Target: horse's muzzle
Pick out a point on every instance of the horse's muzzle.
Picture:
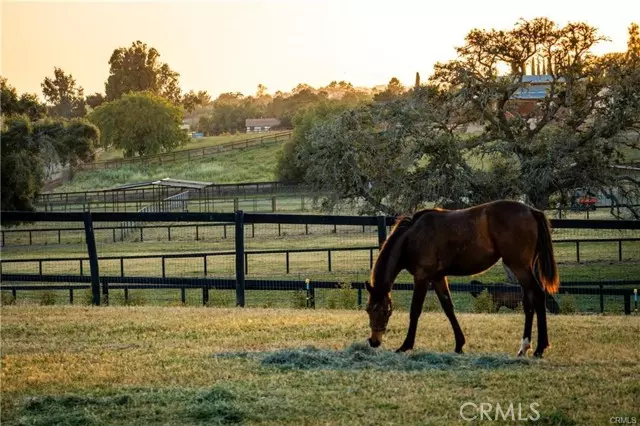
(376, 338)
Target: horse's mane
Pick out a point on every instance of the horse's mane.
(390, 250)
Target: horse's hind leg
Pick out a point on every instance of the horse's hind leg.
(541, 314)
(527, 307)
(420, 287)
(441, 288)
(533, 301)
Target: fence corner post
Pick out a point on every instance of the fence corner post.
(311, 294)
(93, 258)
(240, 266)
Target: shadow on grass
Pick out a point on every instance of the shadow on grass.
(361, 356)
(132, 407)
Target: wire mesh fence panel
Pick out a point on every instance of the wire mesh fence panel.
(154, 258)
(284, 257)
(46, 294)
(305, 265)
(36, 269)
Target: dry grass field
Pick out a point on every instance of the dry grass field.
(179, 365)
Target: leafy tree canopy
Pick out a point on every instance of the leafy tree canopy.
(27, 103)
(95, 100)
(191, 100)
(138, 68)
(65, 99)
(289, 169)
(140, 123)
(31, 150)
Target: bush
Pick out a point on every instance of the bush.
(7, 298)
(484, 303)
(47, 298)
(299, 299)
(432, 303)
(344, 297)
(567, 304)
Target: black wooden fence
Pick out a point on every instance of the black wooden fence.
(101, 284)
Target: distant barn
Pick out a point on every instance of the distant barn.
(526, 98)
(261, 124)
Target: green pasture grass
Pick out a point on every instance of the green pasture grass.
(196, 365)
(193, 143)
(250, 165)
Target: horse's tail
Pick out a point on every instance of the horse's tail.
(547, 267)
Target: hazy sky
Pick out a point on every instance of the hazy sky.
(223, 46)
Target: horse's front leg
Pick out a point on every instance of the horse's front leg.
(442, 290)
(420, 287)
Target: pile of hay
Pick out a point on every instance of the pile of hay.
(359, 356)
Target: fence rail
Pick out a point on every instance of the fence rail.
(191, 154)
(121, 199)
(109, 283)
(89, 275)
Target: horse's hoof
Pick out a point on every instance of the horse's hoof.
(538, 355)
(373, 343)
(524, 348)
(459, 351)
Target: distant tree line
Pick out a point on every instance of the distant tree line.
(140, 112)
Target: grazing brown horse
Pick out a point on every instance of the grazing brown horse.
(435, 243)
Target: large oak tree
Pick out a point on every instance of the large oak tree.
(398, 155)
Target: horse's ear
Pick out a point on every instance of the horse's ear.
(368, 286)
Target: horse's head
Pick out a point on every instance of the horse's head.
(379, 309)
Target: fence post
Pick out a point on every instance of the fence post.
(382, 230)
(620, 250)
(93, 258)
(601, 300)
(627, 304)
(105, 292)
(311, 294)
(240, 258)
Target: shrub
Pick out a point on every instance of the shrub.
(47, 298)
(567, 304)
(299, 299)
(7, 298)
(344, 297)
(431, 303)
(484, 303)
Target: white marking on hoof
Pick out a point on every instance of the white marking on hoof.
(525, 347)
